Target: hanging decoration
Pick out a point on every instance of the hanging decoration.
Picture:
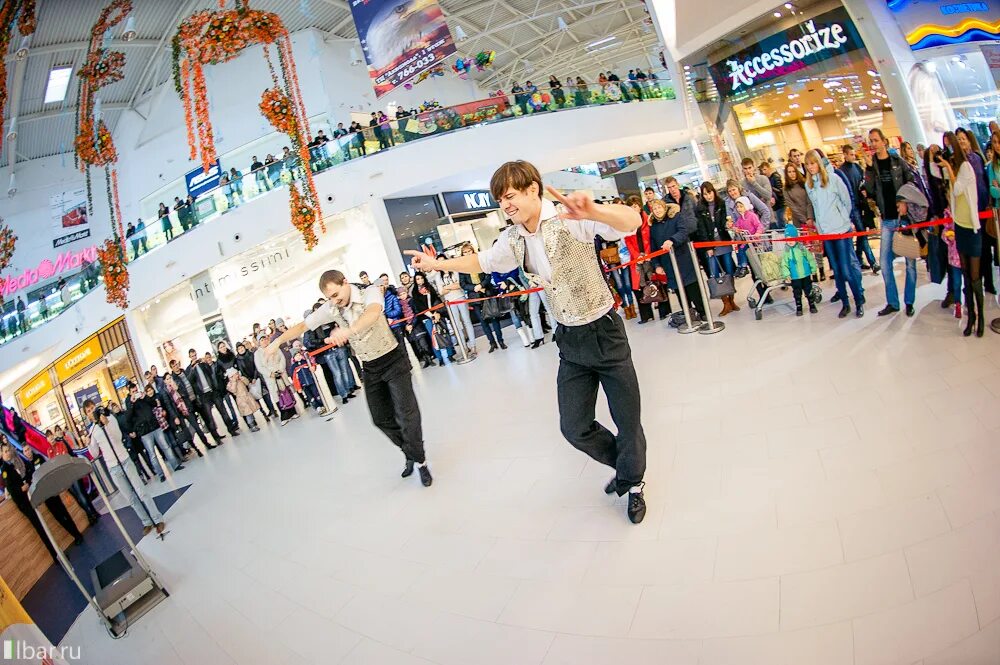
(24, 13)
(424, 75)
(482, 62)
(94, 145)
(7, 243)
(214, 37)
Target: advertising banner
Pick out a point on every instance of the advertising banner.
(401, 39)
(198, 181)
(930, 23)
(821, 38)
(68, 211)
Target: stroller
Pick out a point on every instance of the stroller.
(765, 257)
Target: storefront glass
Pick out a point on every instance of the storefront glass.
(45, 413)
(277, 279)
(440, 225)
(803, 80)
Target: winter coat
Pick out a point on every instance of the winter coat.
(222, 363)
(245, 403)
(469, 286)
(764, 212)
(749, 223)
(422, 302)
(673, 228)
(982, 184)
(302, 375)
(392, 308)
(797, 262)
(901, 174)
(638, 244)
(141, 419)
(832, 204)
(712, 226)
(797, 199)
(245, 364)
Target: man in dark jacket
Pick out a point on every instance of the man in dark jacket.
(855, 178)
(687, 216)
(883, 179)
(143, 425)
(223, 361)
(202, 380)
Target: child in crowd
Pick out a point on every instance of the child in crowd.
(954, 265)
(815, 247)
(239, 386)
(305, 381)
(286, 400)
(748, 223)
(798, 265)
(442, 339)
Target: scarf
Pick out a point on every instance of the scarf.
(17, 463)
(178, 401)
(161, 416)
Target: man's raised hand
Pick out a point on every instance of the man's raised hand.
(576, 205)
(420, 261)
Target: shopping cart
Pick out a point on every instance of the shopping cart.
(764, 257)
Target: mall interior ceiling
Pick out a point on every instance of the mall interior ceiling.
(530, 38)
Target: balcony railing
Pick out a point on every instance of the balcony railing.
(48, 302)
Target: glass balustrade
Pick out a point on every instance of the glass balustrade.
(27, 309)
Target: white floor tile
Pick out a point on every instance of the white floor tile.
(580, 609)
(893, 527)
(769, 553)
(713, 609)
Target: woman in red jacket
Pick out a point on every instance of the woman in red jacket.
(642, 273)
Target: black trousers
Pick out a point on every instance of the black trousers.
(592, 355)
(227, 410)
(29, 513)
(192, 420)
(61, 513)
(204, 405)
(393, 406)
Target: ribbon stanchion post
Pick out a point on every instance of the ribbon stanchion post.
(460, 336)
(687, 328)
(711, 326)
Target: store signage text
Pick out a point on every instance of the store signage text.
(35, 389)
(826, 37)
(199, 181)
(47, 269)
(471, 201)
(81, 356)
(822, 37)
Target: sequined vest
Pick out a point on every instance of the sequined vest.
(372, 343)
(578, 292)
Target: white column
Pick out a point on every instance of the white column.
(387, 235)
(893, 59)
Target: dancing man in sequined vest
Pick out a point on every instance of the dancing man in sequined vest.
(556, 251)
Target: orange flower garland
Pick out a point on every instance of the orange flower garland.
(95, 152)
(116, 279)
(7, 243)
(212, 37)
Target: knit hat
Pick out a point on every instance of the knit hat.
(745, 200)
(791, 231)
(231, 371)
(279, 322)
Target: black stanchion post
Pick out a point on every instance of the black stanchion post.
(687, 328)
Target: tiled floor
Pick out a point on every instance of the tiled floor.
(820, 492)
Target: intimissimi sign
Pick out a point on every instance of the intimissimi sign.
(813, 41)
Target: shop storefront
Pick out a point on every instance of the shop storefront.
(796, 79)
(98, 368)
(277, 279)
(956, 75)
(441, 223)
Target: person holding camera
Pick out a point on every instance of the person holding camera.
(105, 439)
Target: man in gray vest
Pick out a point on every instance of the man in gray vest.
(556, 251)
(360, 315)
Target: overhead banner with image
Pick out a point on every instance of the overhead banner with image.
(68, 211)
(401, 39)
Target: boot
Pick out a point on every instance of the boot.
(733, 307)
(522, 332)
(970, 309)
(726, 307)
(977, 291)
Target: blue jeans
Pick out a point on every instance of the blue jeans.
(741, 256)
(343, 378)
(151, 442)
(846, 269)
(623, 285)
(888, 277)
(956, 283)
(126, 479)
(535, 302)
(724, 261)
(439, 353)
(263, 184)
(861, 244)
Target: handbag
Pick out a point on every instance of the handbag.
(906, 246)
(721, 286)
(492, 309)
(255, 389)
(992, 223)
(610, 255)
(653, 293)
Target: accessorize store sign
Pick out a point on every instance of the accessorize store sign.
(47, 269)
(813, 41)
(401, 39)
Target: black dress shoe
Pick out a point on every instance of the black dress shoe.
(502, 345)
(859, 311)
(179, 467)
(887, 310)
(407, 470)
(948, 301)
(909, 310)
(612, 486)
(493, 347)
(835, 298)
(425, 476)
(844, 311)
(636, 506)
(537, 343)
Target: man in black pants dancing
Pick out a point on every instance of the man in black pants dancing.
(359, 312)
(556, 251)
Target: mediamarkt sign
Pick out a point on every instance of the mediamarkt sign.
(820, 38)
(47, 269)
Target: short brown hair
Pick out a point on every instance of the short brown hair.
(518, 174)
(331, 277)
(747, 162)
(669, 179)
(634, 201)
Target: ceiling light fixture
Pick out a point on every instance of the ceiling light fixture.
(22, 49)
(460, 35)
(12, 190)
(561, 22)
(12, 131)
(128, 34)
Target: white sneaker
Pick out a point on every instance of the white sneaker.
(284, 422)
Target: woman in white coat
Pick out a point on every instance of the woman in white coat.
(268, 365)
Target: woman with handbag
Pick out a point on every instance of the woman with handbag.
(610, 255)
(423, 297)
(642, 272)
(245, 364)
(974, 155)
(964, 202)
(668, 231)
(489, 312)
(711, 215)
